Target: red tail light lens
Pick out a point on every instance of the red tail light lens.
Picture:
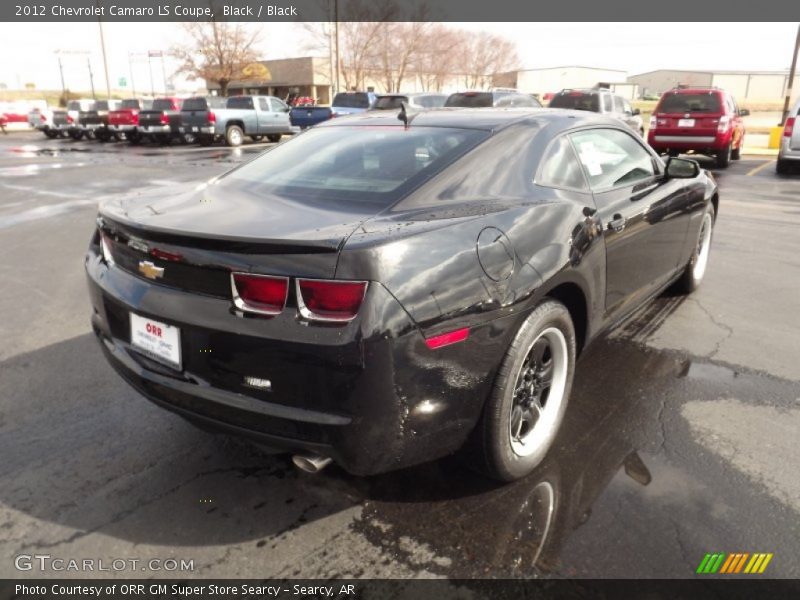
(724, 124)
(212, 118)
(135, 118)
(70, 120)
(262, 294)
(788, 128)
(164, 119)
(42, 119)
(322, 300)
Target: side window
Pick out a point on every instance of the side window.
(619, 106)
(607, 104)
(560, 167)
(263, 104)
(277, 105)
(612, 158)
(626, 107)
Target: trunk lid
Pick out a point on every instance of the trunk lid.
(202, 233)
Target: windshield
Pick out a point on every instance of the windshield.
(355, 164)
(162, 104)
(390, 102)
(576, 101)
(351, 100)
(471, 100)
(683, 103)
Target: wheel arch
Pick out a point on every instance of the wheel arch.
(572, 296)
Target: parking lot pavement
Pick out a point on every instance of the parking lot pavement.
(681, 436)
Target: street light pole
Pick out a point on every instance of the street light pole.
(792, 72)
(91, 77)
(133, 83)
(63, 87)
(150, 66)
(336, 25)
(103, 49)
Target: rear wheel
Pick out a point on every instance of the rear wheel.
(529, 398)
(693, 275)
(76, 135)
(51, 134)
(781, 167)
(234, 136)
(274, 137)
(724, 157)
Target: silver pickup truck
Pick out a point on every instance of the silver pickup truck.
(253, 116)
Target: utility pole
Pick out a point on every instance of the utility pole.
(105, 62)
(150, 66)
(63, 87)
(164, 75)
(792, 72)
(336, 25)
(91, 77)
(130, 66)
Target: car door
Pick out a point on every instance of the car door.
(280, 112)
(642, 213)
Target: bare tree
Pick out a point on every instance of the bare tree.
(485, 54)
(219, 52)
(438, 57)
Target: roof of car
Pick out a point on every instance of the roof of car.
(473, 118)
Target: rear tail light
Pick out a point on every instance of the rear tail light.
(42, 119)
(262, 294)
(135, 118)
(105, 245)
(322, 300)
(653, 122)
(212, 118)
(724, 123)
(164, 119)
(788, 128)
(70, 120)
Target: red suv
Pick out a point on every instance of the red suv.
(702, 120)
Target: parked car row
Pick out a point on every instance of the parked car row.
(203, 119)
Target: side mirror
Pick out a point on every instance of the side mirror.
(744, 112)
(287, 109)
(636, 111)
(682, 168)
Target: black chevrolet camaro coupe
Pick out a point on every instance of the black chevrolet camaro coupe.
(381, 293)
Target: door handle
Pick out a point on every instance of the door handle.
(617, 223)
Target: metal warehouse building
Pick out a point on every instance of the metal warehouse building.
(761, 85)
(555, 79)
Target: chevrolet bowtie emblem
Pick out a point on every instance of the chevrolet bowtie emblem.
(149, 270)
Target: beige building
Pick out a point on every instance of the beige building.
(752, 85)
(555, 79)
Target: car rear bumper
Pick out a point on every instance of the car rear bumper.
(198, 130)
(786, 152)
(371, 395)
(155, 129)
(708, 144)
(122, 128)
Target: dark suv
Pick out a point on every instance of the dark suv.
(493, 98)
(704, 120)
(600, 100)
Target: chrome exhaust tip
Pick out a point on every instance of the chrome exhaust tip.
(310, 463)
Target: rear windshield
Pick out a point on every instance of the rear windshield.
(351, 100)
(162, 104)
(683, 103)
(432, 101)
(73, 105)
(373, 165)
(471, 100)
(390, 102)
(202, 103)
(576, 101)
(245, 102)
(129, 104)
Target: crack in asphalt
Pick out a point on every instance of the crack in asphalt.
(719, 324)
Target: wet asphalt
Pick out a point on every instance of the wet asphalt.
(680, 438)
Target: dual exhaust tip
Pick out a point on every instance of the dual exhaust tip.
(310, 463)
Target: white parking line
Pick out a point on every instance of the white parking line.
(33, 190)
(43, 212)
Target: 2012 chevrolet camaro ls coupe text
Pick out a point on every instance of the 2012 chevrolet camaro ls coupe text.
(382, 293)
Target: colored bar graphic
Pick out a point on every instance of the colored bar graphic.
(734, 563)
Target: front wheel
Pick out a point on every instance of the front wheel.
(529, 398)
(693, 275)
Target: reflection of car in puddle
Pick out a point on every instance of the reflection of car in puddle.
(34, 151)
(519, 530)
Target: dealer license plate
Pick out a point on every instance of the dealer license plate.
(157, 340)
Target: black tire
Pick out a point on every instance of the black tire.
(736, 153)
(234, 136)
(76, 135)
(550, 322)
(102, 135)
(63, 134)
(205, 140)
(274, 137)
(134, 137)
(90, 135)
(724, 157)
(782, 167)
(51, 134)
(692, 277)
(256, 138)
